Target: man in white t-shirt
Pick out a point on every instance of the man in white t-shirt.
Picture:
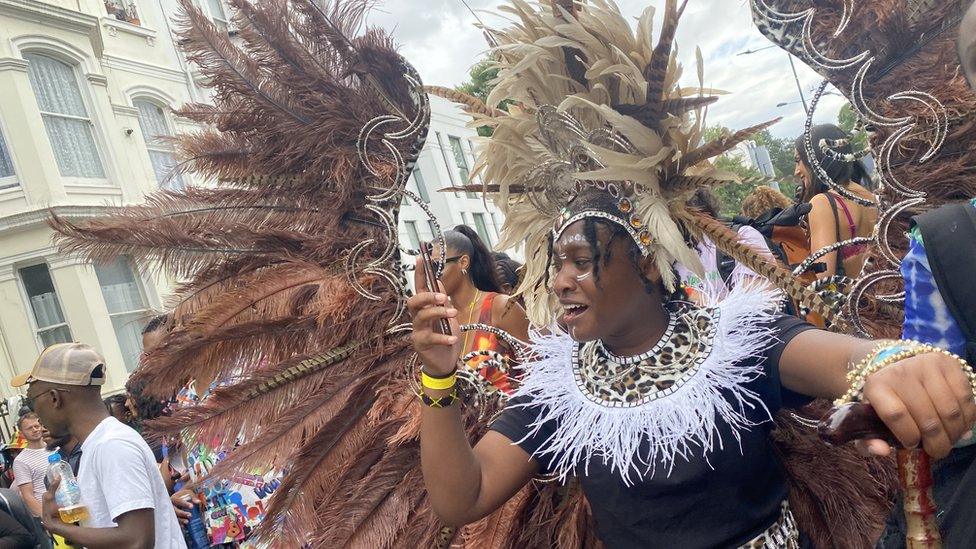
(120, 483)
(30, 465)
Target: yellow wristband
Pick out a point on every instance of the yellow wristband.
(437, 384)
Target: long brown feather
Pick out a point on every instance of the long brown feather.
(656, 69)
(722, 144)
(471, 103)
(728, 242)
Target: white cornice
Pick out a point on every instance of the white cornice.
(60, 261)
(125, 110)
(13, 64)
(145, 69)
(50, 15)
(97, 79)
(26, 257)
(25, 220)
(113, 26)
(7, 272)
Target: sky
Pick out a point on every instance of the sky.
(440, 39)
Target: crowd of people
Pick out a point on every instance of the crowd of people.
(590, 405)
(131, 482)
(655, 387)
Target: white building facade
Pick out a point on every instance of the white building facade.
(446, 161)
(87, 90)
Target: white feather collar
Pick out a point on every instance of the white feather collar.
(683, 423)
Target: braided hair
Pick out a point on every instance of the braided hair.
(840, 172)
(507, 269)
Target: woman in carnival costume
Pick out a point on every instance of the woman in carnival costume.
(661, 408)
(833, 218)
(471, 280)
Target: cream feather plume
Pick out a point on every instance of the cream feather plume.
(582, 79)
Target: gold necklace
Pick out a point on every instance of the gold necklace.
(470, 313)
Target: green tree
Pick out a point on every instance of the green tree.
(482, 82)
(780, 152)
(732, 194)
(482, 74)
(847, 120)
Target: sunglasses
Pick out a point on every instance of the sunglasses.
(29, 400)
(450, 259)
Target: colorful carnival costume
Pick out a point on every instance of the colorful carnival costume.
(293, 288)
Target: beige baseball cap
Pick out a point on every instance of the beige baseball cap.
(66, 364)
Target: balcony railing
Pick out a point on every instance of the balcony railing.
(123, 11)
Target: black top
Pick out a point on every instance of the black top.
(13, 535)
(722, 500)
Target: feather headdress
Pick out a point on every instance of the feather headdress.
(291, 290)
(897, 63)
(596, 103)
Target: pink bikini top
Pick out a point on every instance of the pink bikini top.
(848, 252)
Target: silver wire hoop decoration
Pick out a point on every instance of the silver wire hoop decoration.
(384, 133)
(779, 26)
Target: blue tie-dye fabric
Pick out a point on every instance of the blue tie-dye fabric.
(927, 317)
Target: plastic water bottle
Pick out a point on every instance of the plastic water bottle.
(195, 531)
(68, 495)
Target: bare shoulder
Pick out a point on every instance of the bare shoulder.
(500, 305)
(820, 202)
(508, 315)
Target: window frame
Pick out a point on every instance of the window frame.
(131, 18)
(84, 92)
(146, 311)
(461, 162)
(447, 161)
(421, 184)
(31, 315)
(474, 159)
(177, 182)
(482, 227)
(414, 234)
(10, 181)
(221, 20)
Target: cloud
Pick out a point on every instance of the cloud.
(440, 38)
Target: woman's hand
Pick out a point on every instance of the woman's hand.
(438, 352)
(925, 399)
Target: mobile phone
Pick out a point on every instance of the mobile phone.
(430, 280)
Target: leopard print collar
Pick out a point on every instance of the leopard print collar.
(620, 382)
(640, 413)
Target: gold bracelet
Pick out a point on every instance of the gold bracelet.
(436, 383)
(888, 353)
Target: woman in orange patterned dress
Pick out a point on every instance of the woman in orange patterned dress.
(471, 280)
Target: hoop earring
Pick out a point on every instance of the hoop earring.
(464, 272)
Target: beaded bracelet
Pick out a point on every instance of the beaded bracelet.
(438, 402)
(888, 353)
